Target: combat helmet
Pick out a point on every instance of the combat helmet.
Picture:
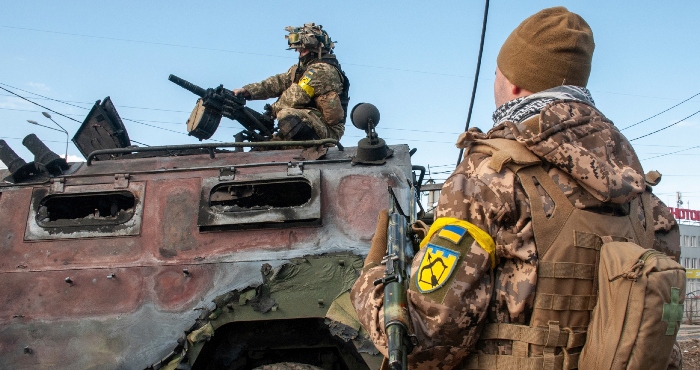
(310, 36)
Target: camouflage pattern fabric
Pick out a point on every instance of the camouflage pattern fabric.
(593, 164)
(676, 360)
(312, 97)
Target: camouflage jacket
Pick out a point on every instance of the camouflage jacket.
(593, 164)
(318, 88)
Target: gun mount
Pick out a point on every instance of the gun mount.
(218, 102)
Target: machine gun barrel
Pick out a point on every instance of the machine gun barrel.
(218, 102)
(188, 86)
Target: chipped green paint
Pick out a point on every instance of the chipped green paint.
(301, 288)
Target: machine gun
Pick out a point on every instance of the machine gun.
(400, 250)
(217, 102)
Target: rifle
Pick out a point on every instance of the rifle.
(400, 250)
(218, 102)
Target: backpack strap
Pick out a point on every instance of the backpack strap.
(527, 166)
(546, 229)
(345, 94)
(505, 151)
(644, 233)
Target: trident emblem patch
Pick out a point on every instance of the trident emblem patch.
(435, 268)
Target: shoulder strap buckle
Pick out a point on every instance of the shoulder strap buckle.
(505, 152)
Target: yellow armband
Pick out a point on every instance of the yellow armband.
(304, 83)
(453, 229)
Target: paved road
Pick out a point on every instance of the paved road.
(689, 332)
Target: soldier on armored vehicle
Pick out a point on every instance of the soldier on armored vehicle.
(312, 95)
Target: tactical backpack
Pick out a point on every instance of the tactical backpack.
(604, 300)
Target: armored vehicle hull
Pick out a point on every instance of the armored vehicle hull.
(190, 258)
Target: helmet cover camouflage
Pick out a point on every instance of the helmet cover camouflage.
(311, 37)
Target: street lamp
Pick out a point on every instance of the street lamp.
(51, 128)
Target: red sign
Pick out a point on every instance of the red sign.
(685, 214)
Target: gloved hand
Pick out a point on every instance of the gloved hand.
(243, 92)
(378, 249)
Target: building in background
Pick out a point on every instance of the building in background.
(690, 257)
(689, 222)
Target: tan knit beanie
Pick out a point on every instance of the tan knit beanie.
(552, 47)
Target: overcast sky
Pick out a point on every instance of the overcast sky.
(414, 60)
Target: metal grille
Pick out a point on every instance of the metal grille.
(691, 308)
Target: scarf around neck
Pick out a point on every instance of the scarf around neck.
(520, 109)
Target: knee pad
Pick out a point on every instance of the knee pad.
(292, 128)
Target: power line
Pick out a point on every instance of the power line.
(61, 114)
(663, 154)
(21, 138)
(45, 97)
(143, 42)
(638, 96)
(154, 126)
(476, 75)
(49, 109)
(400, 139)
(442, 172)
(219, 50)
(678, 151)
(663, 128)
(665, 146)
(67, 101)
(77, 106)
(644, 120)
(276, 56)
(222, 126)
(163, 128)
(424, 131)
(29, 110)
(141, 120)
(270, 55)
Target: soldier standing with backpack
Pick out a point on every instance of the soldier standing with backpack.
(543, 205)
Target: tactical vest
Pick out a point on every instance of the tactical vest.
(568, 246)
(298, 72)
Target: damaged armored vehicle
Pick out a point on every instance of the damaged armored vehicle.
(195, 256)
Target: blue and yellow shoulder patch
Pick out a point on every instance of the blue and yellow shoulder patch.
(435, 268)
(304, 82)
(452, 233)
(445, 247)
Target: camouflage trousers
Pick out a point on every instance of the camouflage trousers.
(312, 118)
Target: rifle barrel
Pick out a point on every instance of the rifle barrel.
(188, 86)
(396, 316)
